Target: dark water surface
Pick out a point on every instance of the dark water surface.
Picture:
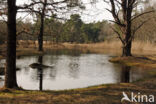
(72, 71)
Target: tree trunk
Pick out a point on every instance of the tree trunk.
(127, 14)
(126, 50)
(10, 72)
(40, 37)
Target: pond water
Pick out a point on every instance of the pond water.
(71, 71)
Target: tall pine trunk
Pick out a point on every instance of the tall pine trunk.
(10, 72)
(40, 37)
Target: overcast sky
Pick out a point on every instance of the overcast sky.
(96, 12)
(92, 13)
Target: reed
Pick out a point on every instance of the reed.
(138, 47)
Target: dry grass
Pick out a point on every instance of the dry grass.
(138, 48)
(27, 52)
(143, 62)
(142, 47)
(109, 47)
(103, 94)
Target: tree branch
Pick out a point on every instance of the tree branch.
(142, 14)
(119, 36)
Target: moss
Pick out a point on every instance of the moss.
(110, 94)
(142, 62)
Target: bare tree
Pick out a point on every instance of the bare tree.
(48, 8)
(124, 24)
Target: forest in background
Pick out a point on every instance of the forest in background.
(74, 30)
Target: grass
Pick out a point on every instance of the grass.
(138, 47)
(102, 94)
(106, 47)
(143, 62)
(24, 52)
(28, 52)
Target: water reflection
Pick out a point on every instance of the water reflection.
(44, 70)
(68, 71)
(72, 52)
(40, 61)
(74, 67)
(125, 74)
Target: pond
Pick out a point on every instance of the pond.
(69, 71)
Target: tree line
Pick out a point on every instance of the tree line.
(73, 30)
